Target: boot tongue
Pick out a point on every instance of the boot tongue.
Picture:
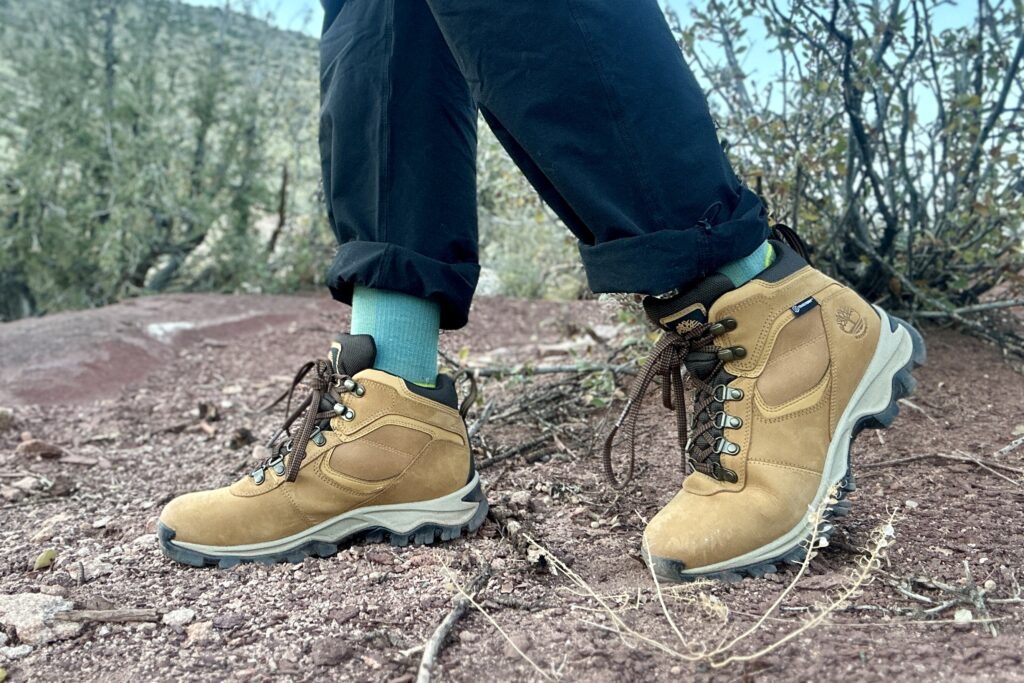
(688, 309)
(352, 353)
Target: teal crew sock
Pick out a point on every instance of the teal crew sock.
(747, 268)
(405, 330)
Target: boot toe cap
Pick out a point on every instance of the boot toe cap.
(191, 517)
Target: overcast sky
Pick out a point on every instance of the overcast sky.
(306, 15)
(759, 63)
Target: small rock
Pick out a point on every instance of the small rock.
(96, 568)
(177, 619)
(207, 411)
(260, 452)
(39, 447)
(330, 652)
(522, 641)
(11, 494)
(343, 614)
(380, 556)
(46, 529)
(27, 484)
(520, 499)
(228, 621)
(241, 438)
(910, 504)
(61, 485)
(200, 632)
(53, 589)
(468, 637)
(31, 617)
(16, 652)
(101, 522)
(6, 419)
(962, 619)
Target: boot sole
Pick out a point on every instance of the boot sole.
(873, 406)
(422, 522)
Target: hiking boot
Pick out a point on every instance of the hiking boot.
(786, 370)
(374, 457)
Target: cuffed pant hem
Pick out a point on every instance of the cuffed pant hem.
(387, 266)
(661, 261)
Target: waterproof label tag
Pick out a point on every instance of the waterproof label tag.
(804, 306)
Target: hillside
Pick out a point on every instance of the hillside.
(149, 146)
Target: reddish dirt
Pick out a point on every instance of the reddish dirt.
(123, 406)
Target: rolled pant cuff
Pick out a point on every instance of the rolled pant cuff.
(387, 266)
(659, 262)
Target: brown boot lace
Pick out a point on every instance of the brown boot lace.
(702, 446)
(323, 382)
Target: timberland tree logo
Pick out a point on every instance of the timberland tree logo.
(851, 322)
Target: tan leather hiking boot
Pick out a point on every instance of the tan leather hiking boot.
(379, 458)
(786, 370)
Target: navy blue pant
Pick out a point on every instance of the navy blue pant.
(592, 100)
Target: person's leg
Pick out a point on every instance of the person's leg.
(371, 451)
(594, 102)
(398, 146)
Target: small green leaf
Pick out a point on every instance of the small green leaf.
(44, 560)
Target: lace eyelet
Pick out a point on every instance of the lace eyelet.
(723, 393)
(258, 476)
(724, 421)
(726, 447)
(732, 353)
(349, 415)
(722, 326)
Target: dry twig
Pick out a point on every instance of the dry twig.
(433, 646)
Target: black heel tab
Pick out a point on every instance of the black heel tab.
(442, 392)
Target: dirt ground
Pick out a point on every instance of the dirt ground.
(119, 391)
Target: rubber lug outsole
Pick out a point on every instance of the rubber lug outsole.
(903, 385)
(425, 534)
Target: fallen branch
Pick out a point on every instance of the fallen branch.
(513, 452)
(495, 624)
(482, 420)
(433, 646)
(986, 464)
(1012, 446)
(527, 370)
(967, 310)
(108, 616)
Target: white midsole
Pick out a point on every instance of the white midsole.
(872, 396)
(399, 518)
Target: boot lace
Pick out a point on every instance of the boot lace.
(323, 381)
(701, 441)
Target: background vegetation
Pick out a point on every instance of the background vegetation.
(154, 146)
